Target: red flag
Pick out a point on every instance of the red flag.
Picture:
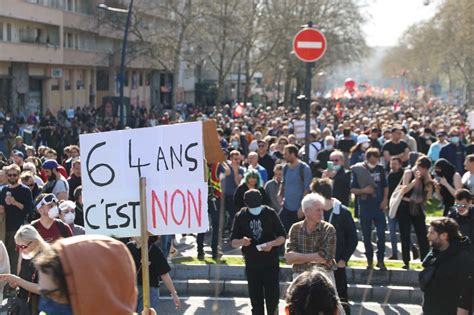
(239, 110)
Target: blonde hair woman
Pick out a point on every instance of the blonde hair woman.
(29, 244)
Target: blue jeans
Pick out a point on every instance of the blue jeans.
(368, 214)
(392, 228)
(154, 297)
(214, 216)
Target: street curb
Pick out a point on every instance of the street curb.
(355, 275)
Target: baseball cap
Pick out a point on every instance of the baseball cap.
(362, 139)
(19, 154)
(50, 164)
(253, 198)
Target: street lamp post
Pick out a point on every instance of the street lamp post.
(122, 57)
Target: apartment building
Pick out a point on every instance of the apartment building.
(55, 53)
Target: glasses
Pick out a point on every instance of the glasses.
(46, 292)
(459, 206)
(12, 175)
(22, 247)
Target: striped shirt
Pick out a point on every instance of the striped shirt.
(322, 241)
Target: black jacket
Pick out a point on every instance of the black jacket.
(346, 234)
(466, 225)
(447, 279)
(342, 186)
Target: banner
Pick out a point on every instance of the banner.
(169, 157)
(300, 127)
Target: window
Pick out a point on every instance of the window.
(125, 79)
(9, 32)
(54, 84)
(67, 85)
(79, 85)
(69, 40)
(69, 5)
(102, 80)
(140, 81)
(1, 31)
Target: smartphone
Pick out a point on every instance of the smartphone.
(330, 166)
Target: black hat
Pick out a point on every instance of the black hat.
(253, 198)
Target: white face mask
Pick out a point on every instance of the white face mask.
(26, 256)
(53, 212)
(69, 217)
(365, 145)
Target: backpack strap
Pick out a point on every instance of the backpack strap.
(62, 228)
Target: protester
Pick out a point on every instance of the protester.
(158, 269)
(296, 180)
(252, 160)
(341, 178)
(252, 180)
(4, 267)
(264, 159)
(435, 148)
(57, 183)
(448, 274)
(312, 292)
(74, 179)
(48, 225)
(323, 155)
(467, 179)
(394, 179)
(357, 152)
(16, 202)
(447, 181)
(258, 230)
(110, 286)
(30, 244)
(67, 214)
(213, 208)
(418, 187)
(455, 152)
(27, 179)
(272, 188)
(463, 213)
(369, 183)
(396, 147)
(346, 234)
(312, 242)
(232, 181)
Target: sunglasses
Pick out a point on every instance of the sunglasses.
(12, 175)
(22, 247)
(335, 160)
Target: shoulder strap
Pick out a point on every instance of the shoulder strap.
(62, 228)
(285, 170)
(301, 169)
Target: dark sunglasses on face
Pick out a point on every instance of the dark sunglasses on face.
(21, 247)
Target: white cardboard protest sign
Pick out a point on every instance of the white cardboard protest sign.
(299, 128)
(171, 158)
(470, 119)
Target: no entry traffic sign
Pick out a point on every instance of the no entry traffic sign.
(309, 44)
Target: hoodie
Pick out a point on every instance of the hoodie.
(100, 275)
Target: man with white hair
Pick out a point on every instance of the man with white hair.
(252, 161)
(312, 242)
(323, 155)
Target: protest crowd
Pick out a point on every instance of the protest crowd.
(384, 163)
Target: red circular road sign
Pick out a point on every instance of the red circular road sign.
(309, 44)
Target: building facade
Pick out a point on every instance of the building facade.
(56, 54)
